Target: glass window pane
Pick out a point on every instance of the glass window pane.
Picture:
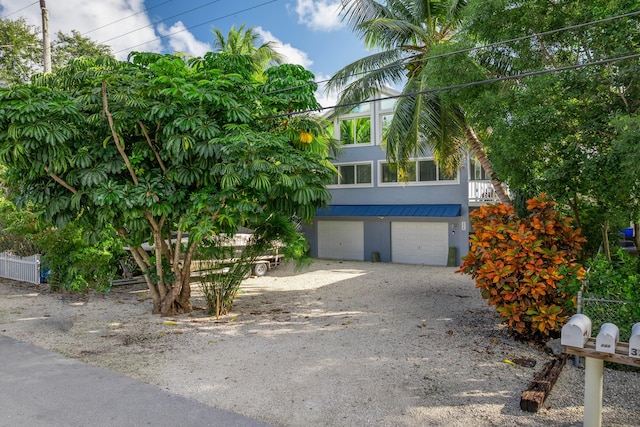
(442, 176)
(427, 170)
(334, 179)
(388, 104)
(362, 108)
(364, 174)
(347, 174)
(362, 130)
(386, 121)
(389, 173)
(411, 172)
(346, 131)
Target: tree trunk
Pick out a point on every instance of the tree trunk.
(478, 151)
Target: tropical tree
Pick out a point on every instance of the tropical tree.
(244, 41)
(404, 35)
(159, 149)
(564, 132)
(20, 51)
(69, 46)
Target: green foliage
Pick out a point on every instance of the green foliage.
(76, 264)
(614, 280)
(20, 51)
(69, 46)
(159, 145)
(521, 265)
(560, 133)
(17, 230)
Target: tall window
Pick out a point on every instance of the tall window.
(355, 130)
(417, 171)
(354, 174)
(476, 172)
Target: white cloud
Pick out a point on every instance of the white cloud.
(320, 15)
(181, 40)
(325, 98)
(122, 24)
(291, 54)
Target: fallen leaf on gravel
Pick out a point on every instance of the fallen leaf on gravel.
(170, 323)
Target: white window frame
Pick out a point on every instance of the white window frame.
(416, 183)
(379, 114)
(355, 185)
(359, 115)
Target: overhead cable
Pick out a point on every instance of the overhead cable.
(465, 85)
(198, 25)
(20, 10)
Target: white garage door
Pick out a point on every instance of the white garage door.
(341, 240)
(420, 242)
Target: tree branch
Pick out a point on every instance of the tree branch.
(60, 181)
(155, 152)
(116, 139)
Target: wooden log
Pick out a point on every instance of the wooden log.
(534, 396)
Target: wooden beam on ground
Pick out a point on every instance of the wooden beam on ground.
(534, 396)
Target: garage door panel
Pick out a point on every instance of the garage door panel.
(420, 242)
(341, 240)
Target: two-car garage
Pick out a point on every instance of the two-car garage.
(421, 236)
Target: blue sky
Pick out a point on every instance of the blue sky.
(308, 32)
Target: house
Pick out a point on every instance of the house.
(375, 216)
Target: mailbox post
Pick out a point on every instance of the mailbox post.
(596, 351)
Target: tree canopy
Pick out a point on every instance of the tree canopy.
(563, 132)
(161, 148)
(21, 50)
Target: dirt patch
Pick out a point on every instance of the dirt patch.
(339, 343)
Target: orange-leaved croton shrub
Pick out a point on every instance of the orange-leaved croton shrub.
(520, 264)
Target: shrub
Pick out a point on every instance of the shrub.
(615, 283)
(76, 264)
(521, 265)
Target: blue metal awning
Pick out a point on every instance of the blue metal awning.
(391, 210)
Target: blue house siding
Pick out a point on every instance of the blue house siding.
(377, 205)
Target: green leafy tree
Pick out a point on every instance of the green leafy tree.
(405, 34)
(20, 51)
(69, 46)
(557, 132)
(160, 148)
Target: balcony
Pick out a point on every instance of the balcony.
(481, 192)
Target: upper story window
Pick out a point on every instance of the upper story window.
(354, 128)
(476, 172)
(418, 172)
(354, 174)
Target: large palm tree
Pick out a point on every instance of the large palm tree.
(244, 41)
(403, 34)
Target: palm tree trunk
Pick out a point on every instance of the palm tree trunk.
(478, 151)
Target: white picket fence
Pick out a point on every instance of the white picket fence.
(25, 269)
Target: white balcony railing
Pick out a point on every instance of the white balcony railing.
(482, 192)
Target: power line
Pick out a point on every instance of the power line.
(487, 46)
(127, 17)
(161, 20)
(465, 85)
(20, 10)
(199, 25)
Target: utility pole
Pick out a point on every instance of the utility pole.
(46, 45)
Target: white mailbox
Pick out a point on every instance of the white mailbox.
(607, 339)
(634, 341)
(576, 331)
